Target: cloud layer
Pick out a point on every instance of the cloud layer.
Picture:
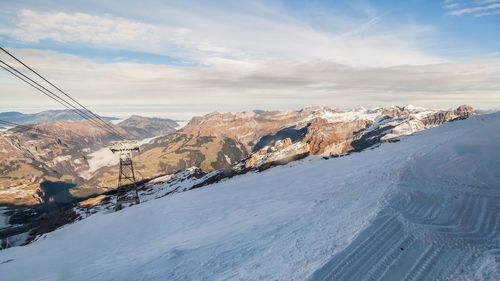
(266, 84)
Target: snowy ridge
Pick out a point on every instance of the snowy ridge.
(424, 208)
(361, 113)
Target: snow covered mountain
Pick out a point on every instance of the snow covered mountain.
(424, 208)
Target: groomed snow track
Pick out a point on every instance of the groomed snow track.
(441, 222)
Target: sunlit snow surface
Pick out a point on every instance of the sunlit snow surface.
(424, 208)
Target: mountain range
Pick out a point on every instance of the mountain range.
(44, 116)
(419, 207)
(40, 172)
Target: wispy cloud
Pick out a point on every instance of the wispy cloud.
(105, 31)
(476, 8)
(239, 32)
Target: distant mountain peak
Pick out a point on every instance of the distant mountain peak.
(44, 116)
(411, 107)
(260, 111)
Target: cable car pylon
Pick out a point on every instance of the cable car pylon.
(126, 175)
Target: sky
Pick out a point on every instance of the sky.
(183, 58)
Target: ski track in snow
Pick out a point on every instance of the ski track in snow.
(441, 222)
(425, 208)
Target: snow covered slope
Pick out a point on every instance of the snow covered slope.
(424, 208)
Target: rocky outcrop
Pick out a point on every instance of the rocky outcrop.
(441, 117)
(282, 152)
(325, 137)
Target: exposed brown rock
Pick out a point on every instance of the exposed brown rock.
(245, 127)
(326, 137)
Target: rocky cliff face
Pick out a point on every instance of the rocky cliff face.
(326, 137)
